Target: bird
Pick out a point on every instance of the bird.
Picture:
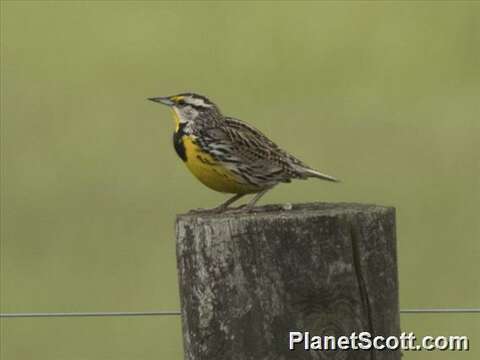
(229, 155)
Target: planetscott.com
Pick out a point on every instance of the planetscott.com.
(365, 341)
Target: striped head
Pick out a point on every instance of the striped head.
(190, 108)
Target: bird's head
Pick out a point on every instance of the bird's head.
(189, 108)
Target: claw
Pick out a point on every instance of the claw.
(193, 211)
(202, 210)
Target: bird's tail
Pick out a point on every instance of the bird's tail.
(313, 173)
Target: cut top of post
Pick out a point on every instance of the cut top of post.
(287, 210)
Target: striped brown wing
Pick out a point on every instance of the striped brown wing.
(245, 150)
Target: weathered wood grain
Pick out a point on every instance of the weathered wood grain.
(247, 279)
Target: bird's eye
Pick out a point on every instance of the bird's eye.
(181, 102)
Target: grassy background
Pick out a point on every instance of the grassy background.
(384, 95)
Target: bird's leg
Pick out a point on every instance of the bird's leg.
(222, 206)
(257, 197)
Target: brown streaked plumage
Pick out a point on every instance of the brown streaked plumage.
(227, 154)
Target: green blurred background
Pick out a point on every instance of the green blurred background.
(384, 95)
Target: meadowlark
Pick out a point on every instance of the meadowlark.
(227, 154)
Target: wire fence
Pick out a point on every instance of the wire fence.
(177, 313)
(90, 314)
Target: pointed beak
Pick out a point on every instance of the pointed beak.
(165, 100)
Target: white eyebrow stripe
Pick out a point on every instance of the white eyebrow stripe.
(197, 102)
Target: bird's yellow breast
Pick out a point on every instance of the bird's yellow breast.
(210, 172)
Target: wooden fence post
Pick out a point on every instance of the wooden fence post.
(248, 279)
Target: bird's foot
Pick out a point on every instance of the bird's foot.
(223, 209)
(215, 210)
(199, 210)
(245, 208)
